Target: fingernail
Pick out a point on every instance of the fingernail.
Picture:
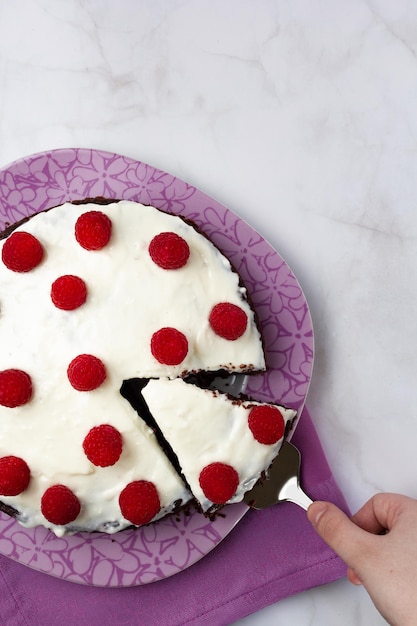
(315, 511)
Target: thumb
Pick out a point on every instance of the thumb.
(338, 531)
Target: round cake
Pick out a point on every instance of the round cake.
(91, 297)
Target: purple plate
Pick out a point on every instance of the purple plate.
(144, 555)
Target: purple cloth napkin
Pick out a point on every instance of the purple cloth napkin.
(270, 555)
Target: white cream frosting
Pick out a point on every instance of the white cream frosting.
(50, 440)
(129, 298)
(205, 426)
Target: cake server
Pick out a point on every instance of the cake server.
(282, 483)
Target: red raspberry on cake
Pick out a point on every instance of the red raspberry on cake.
(169, 346)
(219, 482)
(15, 388)
(86, 372)
(14, 475)
(59, 505)
(22, 252)
(228, 320)
(103, 445)
(139, 502)
(169, 251)
(266, 424)
(93, 230)
(68, 292)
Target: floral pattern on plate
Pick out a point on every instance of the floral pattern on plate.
(144, 555)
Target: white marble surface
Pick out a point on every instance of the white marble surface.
(301, 117)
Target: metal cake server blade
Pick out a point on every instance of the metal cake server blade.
(282, 483)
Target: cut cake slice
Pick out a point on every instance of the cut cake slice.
(223, 445)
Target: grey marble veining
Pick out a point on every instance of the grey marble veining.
(301, 117)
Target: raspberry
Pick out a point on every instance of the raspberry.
(266, 423)
(103, 445)
(169, 346)
(22, 252)
(219, 482)
(68, 292)
(93, 230)
(59, 505)
(86, 372)
(15, 388)
(139, 502)
(228, 320)
(169, 251)
(14, 475)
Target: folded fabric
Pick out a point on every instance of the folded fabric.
(270, 555)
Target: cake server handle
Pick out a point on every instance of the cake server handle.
(282, 483)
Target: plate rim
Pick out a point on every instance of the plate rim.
(232, 513)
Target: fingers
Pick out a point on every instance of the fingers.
(353, 577)
(355, 539)
(339, 532)
(368, 518)
(382, 512)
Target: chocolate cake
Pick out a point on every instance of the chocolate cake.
(91, 297)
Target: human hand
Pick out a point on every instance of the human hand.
(379, 546)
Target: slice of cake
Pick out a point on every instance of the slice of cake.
(90, 297)
(223, 445)
(88, 463)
